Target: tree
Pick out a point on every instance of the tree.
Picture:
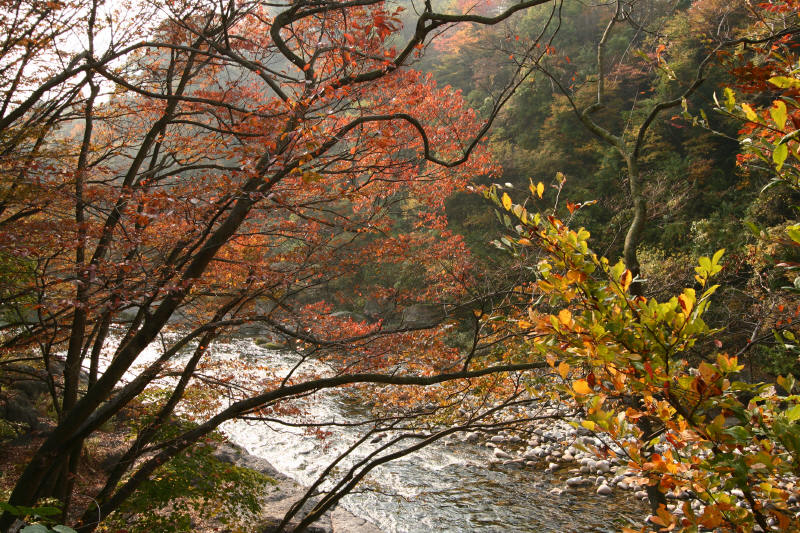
(202, 166)
(718, 436)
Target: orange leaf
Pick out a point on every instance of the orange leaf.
(581, 386)
(686, 304)
(625, 279)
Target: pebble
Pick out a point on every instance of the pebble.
(577, 481)
(472, 437)
(500, 454)
(605, 490)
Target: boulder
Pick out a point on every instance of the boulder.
(19, 408)
(422, 315)
(379, 308)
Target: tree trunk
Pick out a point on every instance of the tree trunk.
(634, 235)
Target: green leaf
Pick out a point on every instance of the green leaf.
(34, 528)
(778, 113)
(739, 433)
(793, 413)
(730, 99)
(794, 233)
(784, 82)
(755, 230)
(779, 155)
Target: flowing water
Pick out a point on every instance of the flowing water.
(444, 487)
(447, 486)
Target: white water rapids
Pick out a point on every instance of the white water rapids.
(448, 486)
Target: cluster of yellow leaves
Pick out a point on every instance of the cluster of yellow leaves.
(623, 358)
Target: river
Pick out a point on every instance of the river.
(448, 486)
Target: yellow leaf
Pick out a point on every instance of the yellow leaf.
(565, 317)
(778, 113)
(581, 386)
(625, 279)
(686, 301)
(751, 115)
(506, 201)
(563, 369)
(576, 276)
(540, 189)
(588, 424)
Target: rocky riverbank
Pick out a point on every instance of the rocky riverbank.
(278, 498)
(558, 446)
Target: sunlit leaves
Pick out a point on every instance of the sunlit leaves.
(779, 155)
(708, 267)
(581, 386)
(778, 114)
(785, 82)
(607, 344)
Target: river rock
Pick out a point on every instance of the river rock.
(603, 466)
(472, 437)
(577, 481)
(500, 454)
(605, 490)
